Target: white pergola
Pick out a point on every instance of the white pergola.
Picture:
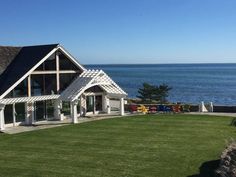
(86, 80)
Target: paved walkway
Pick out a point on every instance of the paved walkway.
(54, 123)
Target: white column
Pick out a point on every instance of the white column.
(122, 111)
(57, 110)
(29, 113)
(74, 112)
(71, 109)
(106, 104)
(94, 104)
(14, 114)
(2, 120)
(27, 116)
(211, 107)
(108, 107)
(82, 105)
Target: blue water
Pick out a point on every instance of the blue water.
(191, 83)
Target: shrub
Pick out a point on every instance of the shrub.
(227, 167)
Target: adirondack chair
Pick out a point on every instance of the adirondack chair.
(164, 109)
(152, 109)
(142, 109)
(176, 108)
(133, 108)
(186, 108)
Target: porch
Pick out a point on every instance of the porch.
(56, 123)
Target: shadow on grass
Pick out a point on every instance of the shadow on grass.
(207, 169)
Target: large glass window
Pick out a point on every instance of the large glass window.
(20, 112)
(66, 80)
(21, 89)
(50, 108)
(65, 108)
(50, 84)
(66, 64)
(49, 64)
(40, 107)
(8, 115)
(90, 103)
(37, 85)
(43, 84)
(98, 102)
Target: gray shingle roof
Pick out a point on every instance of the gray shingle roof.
(7, 55)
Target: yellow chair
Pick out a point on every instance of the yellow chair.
(142, 109)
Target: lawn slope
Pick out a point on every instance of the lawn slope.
(151, 145)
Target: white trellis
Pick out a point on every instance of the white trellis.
(86, 80)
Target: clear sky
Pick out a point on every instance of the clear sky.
(125, 31)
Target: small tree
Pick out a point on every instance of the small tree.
(154, 93)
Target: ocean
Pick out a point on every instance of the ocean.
(191, 83)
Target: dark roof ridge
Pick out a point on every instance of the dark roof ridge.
(40, 45)
(55, 44)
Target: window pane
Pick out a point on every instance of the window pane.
(37, 85)
(50, 84)
(65, 108)
(43, 84)
(90, 103)
(66, 80)
(20, 112)
(8, 114)
(49, 64)
(66, 64)
(21, 89)
(98, 101)
(50, 108)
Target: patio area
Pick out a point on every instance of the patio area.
(56, 123)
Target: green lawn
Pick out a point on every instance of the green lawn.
(151, 145)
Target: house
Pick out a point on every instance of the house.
(46, 82)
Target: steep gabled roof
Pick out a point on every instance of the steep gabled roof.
(19, 61)
(7, 55)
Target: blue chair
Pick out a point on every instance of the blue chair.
(163, 108)
(160, 108)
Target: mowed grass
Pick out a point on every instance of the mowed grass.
(149, 145)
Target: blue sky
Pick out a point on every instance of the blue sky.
(126, 31)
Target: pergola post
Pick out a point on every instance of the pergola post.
(82, 105)
(94, 104)
(122, 111)
(108, 105)
(29, 113)
(14, 114)
(71, 109)
(74, 112)
(57, 110)
(2, 120)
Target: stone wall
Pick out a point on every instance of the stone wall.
(227, 167)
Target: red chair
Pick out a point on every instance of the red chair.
(176, 108)
(152, 109)
(133, 108)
